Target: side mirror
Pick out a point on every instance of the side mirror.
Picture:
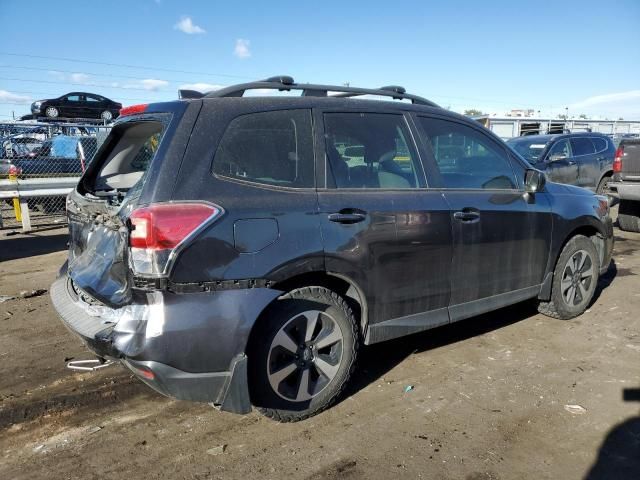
(557, 157)
(534, 180)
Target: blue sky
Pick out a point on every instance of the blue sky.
(490, 55)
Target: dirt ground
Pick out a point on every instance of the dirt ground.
(508, 395)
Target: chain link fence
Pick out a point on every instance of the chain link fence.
(35, 154)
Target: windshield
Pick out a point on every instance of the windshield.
(530, 149)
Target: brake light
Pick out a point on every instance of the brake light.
(14, 171)
(162, 226)
(617, 160)
(156, 230)
(133, 109)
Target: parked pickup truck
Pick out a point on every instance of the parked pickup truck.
(626, 183)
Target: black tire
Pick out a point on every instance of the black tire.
(629, 216)
(52, 112)
(107, 115)
(559, 306)
(603, 186)
(332, 311)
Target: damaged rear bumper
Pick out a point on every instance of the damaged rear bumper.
(186, 346)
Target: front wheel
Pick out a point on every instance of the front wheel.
(574, 279)
(302, 354)
(106, 116)
(51, 112)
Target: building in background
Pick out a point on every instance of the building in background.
(514, 126)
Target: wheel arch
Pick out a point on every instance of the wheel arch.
(342, 285)
(589, 230)
(606, 173)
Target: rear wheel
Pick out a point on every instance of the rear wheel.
(302, 354)
(603, 186)
(106, 115)
(629, 216)
(574, 280)
(51, 112)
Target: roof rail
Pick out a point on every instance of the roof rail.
(286, 83)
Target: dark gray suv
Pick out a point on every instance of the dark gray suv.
(581, 159)
(239, 250)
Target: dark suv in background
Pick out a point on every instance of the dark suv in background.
(239, 250)
(581, 159)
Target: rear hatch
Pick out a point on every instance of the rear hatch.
(630, 159)
(124, 173)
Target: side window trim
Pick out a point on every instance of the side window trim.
(433, 163)
(321, 151)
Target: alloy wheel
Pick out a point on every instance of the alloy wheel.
(577, 278)
(304, 356)
(106, 115)
(51, 112)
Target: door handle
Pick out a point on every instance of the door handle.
(467, 216)
(347, 218)
(572, 162)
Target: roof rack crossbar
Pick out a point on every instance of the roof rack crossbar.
(286, 83)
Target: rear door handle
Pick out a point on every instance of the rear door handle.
(467, 216)
(347, 218)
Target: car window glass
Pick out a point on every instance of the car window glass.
(73, 98)
(599, 143)
(274, 148)
(560, 149)
(369, 150)
(467, 158)
(91, 98)
(581, 146)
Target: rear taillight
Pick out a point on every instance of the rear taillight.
(617, 160)
(14, 171)
(158, 229)
(133, 109)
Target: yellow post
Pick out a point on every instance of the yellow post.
(16, 201)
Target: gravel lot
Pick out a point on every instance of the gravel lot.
(512, 394)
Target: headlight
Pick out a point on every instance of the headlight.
(37, 104)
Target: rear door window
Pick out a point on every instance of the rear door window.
(370, 150)
(599, 143)
(271, 148)
(582, 146)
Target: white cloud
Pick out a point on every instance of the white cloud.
(621, 104)
(79, 78)
(9, 97)
(201, 87)
(241, 50)
(151, 84)
(56, 74)
(187, 26)
(608, 98)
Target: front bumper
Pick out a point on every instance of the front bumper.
(194, 344)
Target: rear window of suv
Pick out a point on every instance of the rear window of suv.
(272, 148)
(129, 150)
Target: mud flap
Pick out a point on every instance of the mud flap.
(236, 397)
